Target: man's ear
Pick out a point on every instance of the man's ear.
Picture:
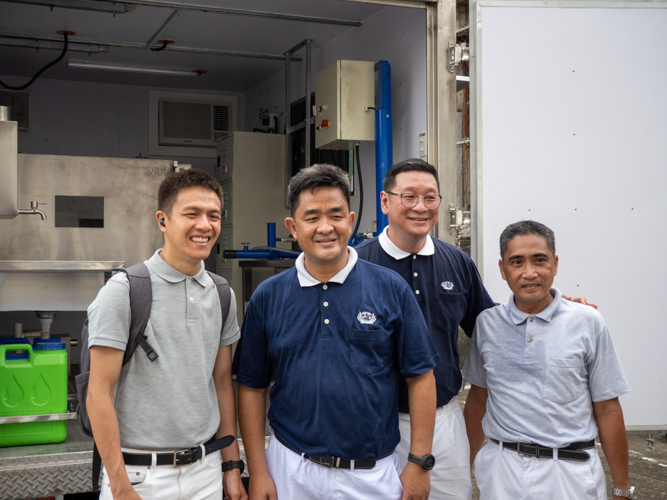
(290, 223)
(160, 216)
(555, 265)
(502, 269)
(384, 202)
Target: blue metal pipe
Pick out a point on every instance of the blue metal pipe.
(271, 234)
(384, 155)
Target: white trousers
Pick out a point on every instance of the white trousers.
(201, 480)
(297, 478)
(503, 474)
(450, 477)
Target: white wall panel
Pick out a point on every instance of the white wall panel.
(571, 129)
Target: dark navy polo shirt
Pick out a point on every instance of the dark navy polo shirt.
(337, 352)
(450, 293)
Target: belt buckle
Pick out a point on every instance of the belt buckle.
(181, 455)
(531, 454)
(330, 462)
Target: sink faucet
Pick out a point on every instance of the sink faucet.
(33, 209)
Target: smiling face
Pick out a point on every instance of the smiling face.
(529, 267)
(322, 225)
(409, 227)
(191, 230)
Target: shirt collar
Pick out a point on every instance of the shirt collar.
(305, 279)
(519, 316)
(168, 273)
(390, 247)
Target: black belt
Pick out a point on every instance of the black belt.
(571, 452)
(336, 462)
(181, 457)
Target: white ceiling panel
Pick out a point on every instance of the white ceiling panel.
(192, 29)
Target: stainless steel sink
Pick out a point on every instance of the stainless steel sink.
(64, 285)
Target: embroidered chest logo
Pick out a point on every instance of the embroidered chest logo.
(447, 285)
(366, 318)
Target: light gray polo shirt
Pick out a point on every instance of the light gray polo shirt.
(171, 403)
(543, 371)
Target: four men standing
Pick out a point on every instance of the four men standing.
(348, 344)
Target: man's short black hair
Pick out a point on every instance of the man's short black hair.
(410, 165)
(319, 175)
(172, 185)
(526, 227)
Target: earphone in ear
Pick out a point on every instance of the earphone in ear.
(162, 222)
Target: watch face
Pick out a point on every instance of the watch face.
(429, 462)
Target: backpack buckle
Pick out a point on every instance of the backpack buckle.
(184, 457)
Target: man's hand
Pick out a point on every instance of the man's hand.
(262, 487)
(125, 494)
(416, 482)
(579, 300)
(233, 486)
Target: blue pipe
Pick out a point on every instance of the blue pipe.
(271, 234)
(384, 155)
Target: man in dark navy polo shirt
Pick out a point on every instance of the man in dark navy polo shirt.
(337, 335)
(450, 293)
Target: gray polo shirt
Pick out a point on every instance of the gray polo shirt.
(543, 371)
(171, 403)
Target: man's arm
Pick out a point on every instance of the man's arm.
(252, 419)
(222, 378)
(422, 401)
(105, 365)
(609, 417)
(473, 413)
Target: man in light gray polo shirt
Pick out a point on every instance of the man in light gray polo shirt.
(184, 398)
(545, 381)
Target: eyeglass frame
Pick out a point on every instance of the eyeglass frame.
(417, 202)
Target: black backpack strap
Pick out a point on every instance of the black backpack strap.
(225, 296)
(97, 468)
(141, 298)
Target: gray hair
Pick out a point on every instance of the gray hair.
(319, 175)
(526, 227)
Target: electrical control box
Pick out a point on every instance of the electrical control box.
(344, 100)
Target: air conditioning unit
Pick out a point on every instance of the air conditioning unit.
(196, 124)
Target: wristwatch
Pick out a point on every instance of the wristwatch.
(624, 493)
(426, 462)
(233, 464)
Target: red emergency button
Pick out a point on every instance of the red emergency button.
(324, 124)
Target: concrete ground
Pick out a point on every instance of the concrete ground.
(648, 462)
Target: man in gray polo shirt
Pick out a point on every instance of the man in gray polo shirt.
(185, 398)
(545, 381)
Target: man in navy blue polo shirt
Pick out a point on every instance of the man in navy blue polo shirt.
(336, 334)
(450, 293)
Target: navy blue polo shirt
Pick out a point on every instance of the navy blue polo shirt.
(337, 352)
(450, 293)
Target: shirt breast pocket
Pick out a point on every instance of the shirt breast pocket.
(563, 383)
(369, 350)
(451, 308)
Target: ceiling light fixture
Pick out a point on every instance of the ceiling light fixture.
(136, 69)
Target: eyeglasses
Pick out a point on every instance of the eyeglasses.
(431, 201)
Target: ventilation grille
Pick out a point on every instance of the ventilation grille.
(221, 118)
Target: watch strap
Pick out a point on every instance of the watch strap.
(233, 464)
(624, 493)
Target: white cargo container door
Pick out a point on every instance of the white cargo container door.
(569, 111)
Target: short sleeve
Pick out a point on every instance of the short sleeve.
(478, 299)
(254, 366)
(416, 352)
(109, 314)
(230, 330)
(473, 369)
(605, 374)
